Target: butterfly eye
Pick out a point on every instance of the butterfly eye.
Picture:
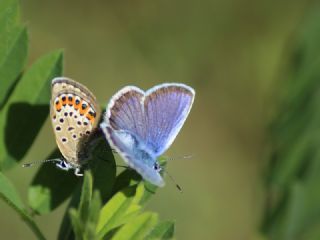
(157, 167)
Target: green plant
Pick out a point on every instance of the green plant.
(102, 205)
(292, 181)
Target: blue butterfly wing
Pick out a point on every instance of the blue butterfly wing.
(166, 108)
(155, 117)
(125, 111)
(134, 152)
(141, 126)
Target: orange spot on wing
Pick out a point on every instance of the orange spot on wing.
(77, 106)
(71, 102)
(91, 116)
(82, 111)
(58, 106)
(64, 100)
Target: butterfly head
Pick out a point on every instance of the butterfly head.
(157, 167)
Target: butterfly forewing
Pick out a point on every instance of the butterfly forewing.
(166, 108)
(73, 114)
(155, 116)
(125, 111)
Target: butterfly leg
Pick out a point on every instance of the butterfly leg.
(77, 172)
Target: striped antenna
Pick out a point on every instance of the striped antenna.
(179, 158)
(41, 162)
(173, 181)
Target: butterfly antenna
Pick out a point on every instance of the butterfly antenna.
(40, 162)
(179, 158)
(173, 181)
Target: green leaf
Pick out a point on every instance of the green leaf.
(31, 95)
(51, 187)
(163, 230)
(13, 58)
(85, 197)
(103, 172)
(11, 197)
(138, 228)
(13, 47)
(76, 223)
(94, 211)
(103, 168)
(85, 219)
(128, 177)
(66, 230)
(112, 214)
(8, 191)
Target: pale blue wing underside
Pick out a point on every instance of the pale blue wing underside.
(134, 152)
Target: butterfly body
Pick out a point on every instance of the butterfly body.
(142, 125)
(73, 112)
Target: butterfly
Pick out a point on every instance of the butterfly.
(74, 112)
(141, 126)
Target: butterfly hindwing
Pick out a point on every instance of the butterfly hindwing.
(134, 153)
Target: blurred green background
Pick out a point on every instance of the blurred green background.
(231, 52)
